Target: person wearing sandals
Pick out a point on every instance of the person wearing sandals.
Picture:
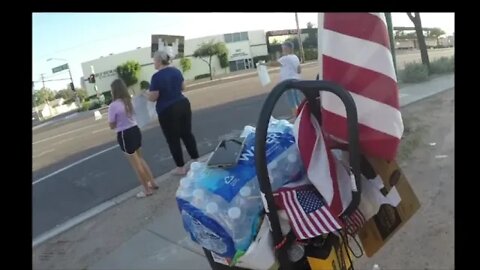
(121, 118)
(173, 109)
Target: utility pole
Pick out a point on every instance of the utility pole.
(43, 79)
(300, 45)
(45, 100)
(388, 19)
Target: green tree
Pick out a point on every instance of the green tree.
(43, 96)
(309, 25)
(82, 94)
(436, 33)
(417, 22)
(66, 94)
(129, 72)
(209, 49)
(186, 64)
(144, 85)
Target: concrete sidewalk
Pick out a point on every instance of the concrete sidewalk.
(163, 243)
(127, 233)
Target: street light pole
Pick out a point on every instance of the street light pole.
(302, 54)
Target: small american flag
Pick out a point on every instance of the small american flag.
(307, 212)
(354, 222)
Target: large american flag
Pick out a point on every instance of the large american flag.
(354, 51)
(307, 212)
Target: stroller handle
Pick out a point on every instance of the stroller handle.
(310, 88)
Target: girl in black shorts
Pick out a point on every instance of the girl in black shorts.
(129, 137)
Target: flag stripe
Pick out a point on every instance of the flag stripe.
(361, 25)
(331, 219)
(312, 229)
(362, 81)
(369, 112)
(319, 223)
(358, 52)
(324, 221)
(372, 142)
(296, 228)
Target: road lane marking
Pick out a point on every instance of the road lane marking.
(43, 153)
(73, 164)
(100, 130)
(62, 134)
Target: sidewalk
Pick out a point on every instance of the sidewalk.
(148, 234)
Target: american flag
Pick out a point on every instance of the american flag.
(354, 222)
(354, 52)
(319, 161)
(307, 212)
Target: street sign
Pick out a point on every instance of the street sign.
(59, 68)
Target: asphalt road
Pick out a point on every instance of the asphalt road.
(77, 164)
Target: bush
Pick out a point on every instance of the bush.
(413, 73)
(95, 104)
(201, 76)
(442, 65)
(311, 54)
(85, 106)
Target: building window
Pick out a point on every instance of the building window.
(237, 65)
(235, 37)
(228, 38)
(244, 35)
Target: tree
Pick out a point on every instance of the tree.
(82, 94)
(417, 22)
(209, 49)
(309, 25)
(186, 64)
(43, 96)
(436, 33)
(66, 94)
(144, 85)
(129, 72)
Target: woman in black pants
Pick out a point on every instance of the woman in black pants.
(173, 109)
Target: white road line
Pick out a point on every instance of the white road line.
(64, 140)
(65, 133)
(99, 130)
(73, 164)
(43, 153)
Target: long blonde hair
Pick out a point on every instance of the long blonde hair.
(120, 91)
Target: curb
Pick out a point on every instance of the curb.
(245, 75)
(97, 210)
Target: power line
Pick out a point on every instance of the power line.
(65, 79)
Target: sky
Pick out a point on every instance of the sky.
(80, 37)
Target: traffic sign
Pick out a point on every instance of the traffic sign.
(59, 68)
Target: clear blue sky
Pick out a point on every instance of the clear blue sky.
(79, 37)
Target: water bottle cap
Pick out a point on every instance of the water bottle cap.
(245, 191)
(198, 193)
(185, 182)
(195, 166)
(234, 212)
(211, 208)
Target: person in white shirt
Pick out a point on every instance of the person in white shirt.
(289, 69)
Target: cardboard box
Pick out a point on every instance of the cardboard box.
(380, 228)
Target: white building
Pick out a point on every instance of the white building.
(243, 47)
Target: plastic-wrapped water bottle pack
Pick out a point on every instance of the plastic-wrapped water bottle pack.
(221, 208)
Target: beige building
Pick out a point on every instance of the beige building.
(243, 47)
